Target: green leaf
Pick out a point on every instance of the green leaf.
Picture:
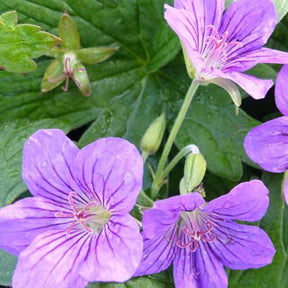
(12, 137)
(7, 267)
(154, 281)
(212, 124)
(20, 43)
(275, 224)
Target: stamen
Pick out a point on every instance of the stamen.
(68, 73)
(79, 216)
(196, 236)
(216, 55)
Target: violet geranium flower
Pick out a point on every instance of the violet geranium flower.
(218, 48)
(199, 238)
(267, 144)
(77, 227)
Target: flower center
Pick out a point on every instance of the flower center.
(194, 227)
(91, 216)
(215, 52)
(69, 62)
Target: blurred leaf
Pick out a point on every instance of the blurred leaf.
(20, 43)
(282, 8)
(154, 281)
(276, 225)
(12, 138)
(7, 267)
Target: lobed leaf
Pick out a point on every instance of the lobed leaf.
(20, 43)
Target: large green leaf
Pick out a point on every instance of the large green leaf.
(20, 43)
(275, 224)
(12, 138)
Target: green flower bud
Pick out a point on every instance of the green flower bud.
(153, 136)
(194, 171)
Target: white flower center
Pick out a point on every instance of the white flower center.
(216, 48)
(194, 227)
(91, 216)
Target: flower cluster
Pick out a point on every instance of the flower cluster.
(77, 227)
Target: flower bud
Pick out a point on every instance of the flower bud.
(153, 136)
(194, 171)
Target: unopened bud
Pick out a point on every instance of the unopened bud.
(153, 136)
(194, 171)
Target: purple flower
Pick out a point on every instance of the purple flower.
(199, 237)
(77, 227)
(267, 144)
(220, 47)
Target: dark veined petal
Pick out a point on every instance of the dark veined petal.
(110, 170)
(241, 246)
(53, 260)
(281, 90)
(158, 252)
(47, 158)
(249, 59)
(255, 87)
(248, 22)
(115, 253)
(200, 14)
(198, 269)
(165, 213)
(248, 201)
(22, 221)
(267, 145)
(189, 19)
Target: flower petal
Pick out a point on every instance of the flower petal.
(247, 201)
(116, 252)
(256, 88)
(53, 260)
(198, 269)
(158, 253)
(249, 59)
(248, 22)
(267, 145)
(47, 158)
(281, 90)
(165, 213)
(189, 19)
(22, 221)
(110, 170)
(241, 246)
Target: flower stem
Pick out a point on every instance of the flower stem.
(158, 180)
